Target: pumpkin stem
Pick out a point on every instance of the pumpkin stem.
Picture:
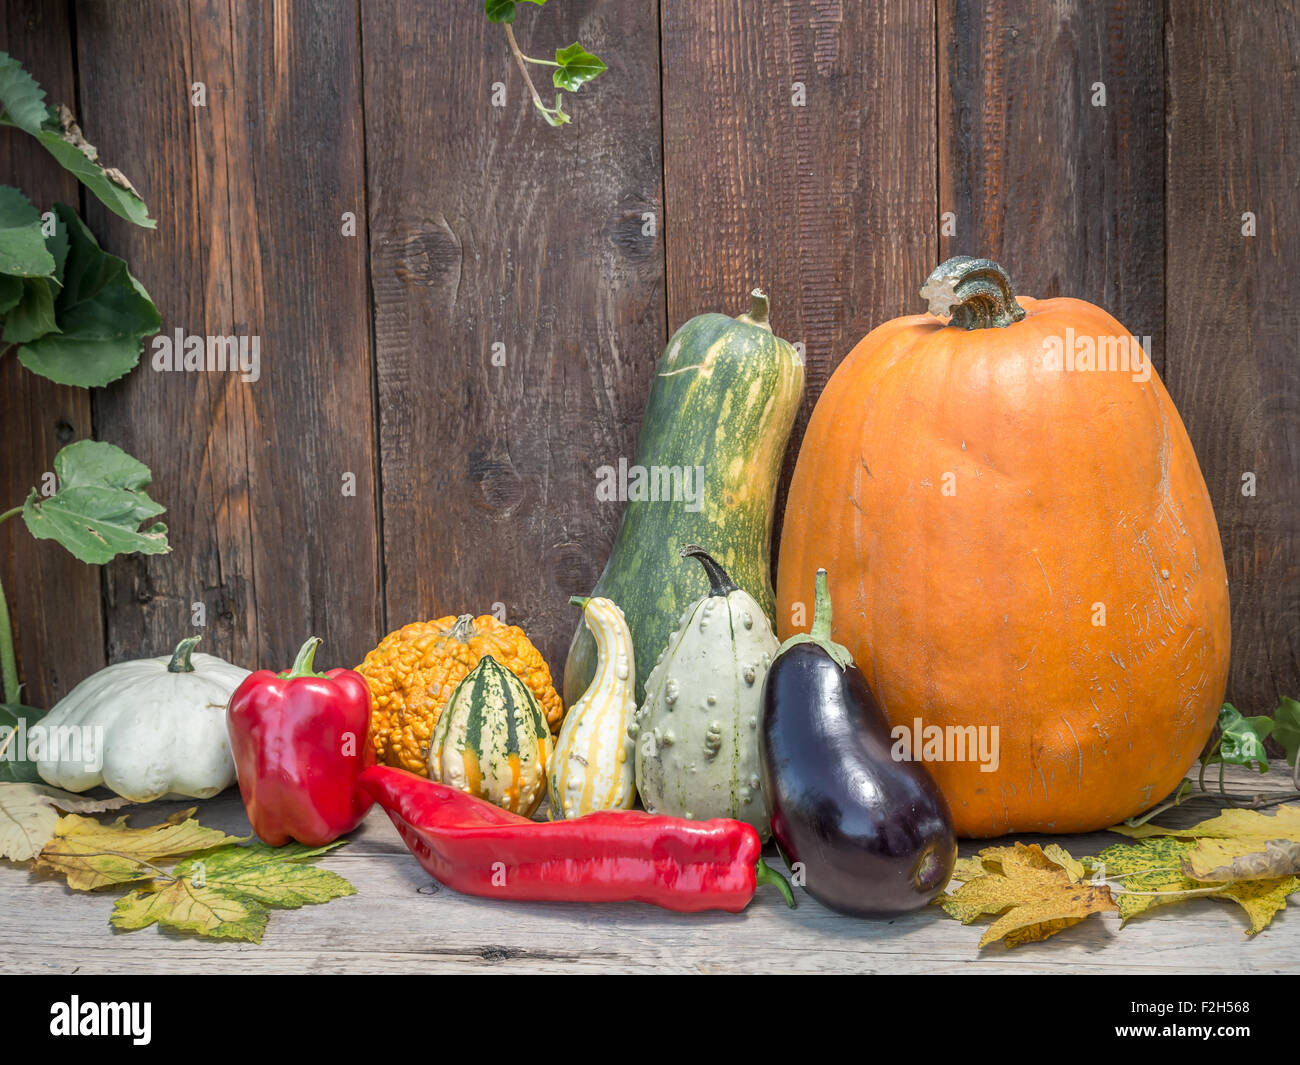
(303, 664)
(759, 308)
(180, 662)
(821, 627)
(719, 582)
(972, 294)
(765, 874)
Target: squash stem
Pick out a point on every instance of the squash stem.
(302, 665)
(759, 308)
(580, 600)
(8, 661)
(765, 874)
(720, 583)
(180, 662)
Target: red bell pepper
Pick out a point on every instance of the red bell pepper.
(300, 741)
(479, 849)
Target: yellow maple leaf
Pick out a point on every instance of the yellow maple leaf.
(1231, 824)
(92, 855)
(1229, 861)
(1033, 893)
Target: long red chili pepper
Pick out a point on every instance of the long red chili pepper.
(479, 849)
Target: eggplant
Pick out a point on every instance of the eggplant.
(874, 834)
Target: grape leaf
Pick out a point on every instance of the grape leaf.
(14, 763)
(103, 315)
(1286, 727)
(1151, 874)
(1243, 738)
(227, 893)
(62, 138)
(22, 245)
(29, 816)
(22, 101)
(92, 855)
(99, 504)
(576, 67)
(504, 10)
(33, 316)
(1230, 824)
(1032, 892)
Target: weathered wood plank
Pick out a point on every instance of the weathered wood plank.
(249, 192)
(1064, 193)
(518, 303)
(401, 921)
(1234, 135)
(54, 600)
(799, 154)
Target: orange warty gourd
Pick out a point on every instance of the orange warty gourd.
(1016, 540)
(414, 670)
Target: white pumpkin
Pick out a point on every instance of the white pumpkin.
(146, 729)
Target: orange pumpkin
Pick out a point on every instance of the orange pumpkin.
(1016, 541)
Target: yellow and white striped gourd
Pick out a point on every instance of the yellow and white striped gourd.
(492, 740)
(592, 767)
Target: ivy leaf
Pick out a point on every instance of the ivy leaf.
(15, 722)
(1033, 893)
(1243, 738)
(577, 67)
(1286, 727)
(91, 855)
(227, 893)
(504, 10)
(22, 100)
(29, 815)
(99, 505)
(22, 245)
(103, 315)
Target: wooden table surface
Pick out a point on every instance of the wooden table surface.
(401, 921)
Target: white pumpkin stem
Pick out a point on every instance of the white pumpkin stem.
(180, 662)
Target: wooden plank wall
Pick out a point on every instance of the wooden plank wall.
(483, 340)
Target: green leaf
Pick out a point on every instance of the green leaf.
(11, 292)
(22, 245)
(1243, 738)
(33, 316)
(227, 893)
(103, 315)
(15, 721)
(99, 505)
(1286, 727)
(22, 101)
(504, 10)
(577, 67)
(63, 140)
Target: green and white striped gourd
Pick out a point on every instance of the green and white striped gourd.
(492, 740)
(592, 766)
(696, 734)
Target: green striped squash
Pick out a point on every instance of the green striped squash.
(724, 398)
(492, 740)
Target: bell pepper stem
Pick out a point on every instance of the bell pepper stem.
(765, 874)
(180, 662)
(303, 664)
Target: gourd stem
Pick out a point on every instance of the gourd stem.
(303, 664)
(580, 600)
(719, 582)
(8, 661)
(461, 630)
(972, 294)
(180, 662)
(765, 874)
(759, 308)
